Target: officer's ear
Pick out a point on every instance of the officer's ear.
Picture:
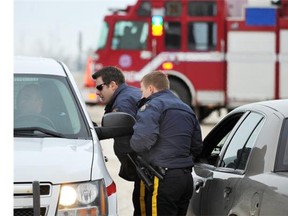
(152, 89)
(113, 85)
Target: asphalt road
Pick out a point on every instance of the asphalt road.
(125, 188)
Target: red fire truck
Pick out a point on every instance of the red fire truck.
(217, 53)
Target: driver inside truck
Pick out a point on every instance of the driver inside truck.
(128, 40)
(30, 100)
(29, 110)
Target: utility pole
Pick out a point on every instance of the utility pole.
(80, 62)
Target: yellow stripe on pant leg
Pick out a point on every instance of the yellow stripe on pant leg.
(154, 196)
(142, 198)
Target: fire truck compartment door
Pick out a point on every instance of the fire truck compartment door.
(283, 64)
(251, 65)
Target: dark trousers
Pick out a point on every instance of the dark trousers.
(170, 196)
(136, 197)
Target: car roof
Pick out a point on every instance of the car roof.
(280, 105)
(37, 65)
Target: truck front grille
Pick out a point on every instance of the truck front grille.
(24, 199)
(28, 212)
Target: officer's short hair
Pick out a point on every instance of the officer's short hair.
(156, 78)
(109, 74)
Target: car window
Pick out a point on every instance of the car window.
(47, 102)
(214, 141)
(282, 152)
(130, 35)
(240, 145)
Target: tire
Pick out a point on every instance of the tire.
(180, 90)
(203, 112)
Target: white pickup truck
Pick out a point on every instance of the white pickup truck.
(59, 168)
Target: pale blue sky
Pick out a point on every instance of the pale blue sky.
(43, 26)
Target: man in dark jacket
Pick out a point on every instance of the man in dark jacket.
(167, 135)
(119, 97)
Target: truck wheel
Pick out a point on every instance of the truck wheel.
(180, 90)
(203, 112)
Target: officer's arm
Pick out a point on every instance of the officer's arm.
(146, 129)
(196, 142)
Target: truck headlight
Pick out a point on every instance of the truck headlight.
(87, 198)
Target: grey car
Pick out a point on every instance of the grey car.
(243, 169)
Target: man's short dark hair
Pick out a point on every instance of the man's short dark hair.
(109, 74)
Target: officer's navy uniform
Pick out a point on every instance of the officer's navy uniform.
(167, 135)
(124, 99)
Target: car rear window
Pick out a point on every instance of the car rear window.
(282, 153)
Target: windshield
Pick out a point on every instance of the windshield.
(45, 104)
(103, 36)
(130, 35)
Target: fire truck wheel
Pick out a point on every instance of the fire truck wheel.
(203, 112)
(181, 90)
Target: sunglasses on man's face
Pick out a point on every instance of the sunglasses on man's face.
(100, 86)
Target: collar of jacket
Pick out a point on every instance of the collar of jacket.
(166, 91)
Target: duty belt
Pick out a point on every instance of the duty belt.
(163, 170)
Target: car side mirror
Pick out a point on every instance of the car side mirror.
(115, 124)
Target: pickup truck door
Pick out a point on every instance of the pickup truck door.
(226, 152)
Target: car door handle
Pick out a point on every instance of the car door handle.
(227, 191)
(199, 183)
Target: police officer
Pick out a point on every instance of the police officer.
(119, 97)
(167, 135)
